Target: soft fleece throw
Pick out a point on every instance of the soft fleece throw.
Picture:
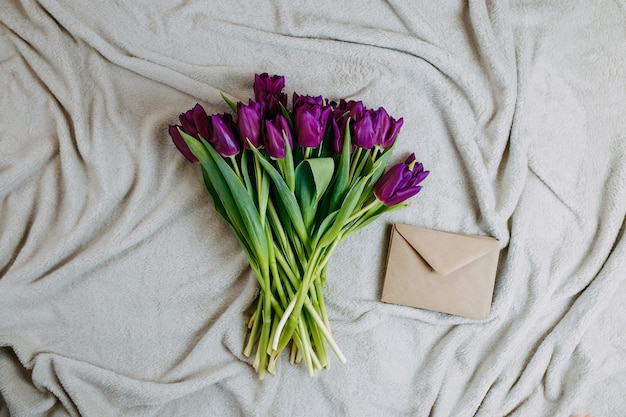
(123, 293)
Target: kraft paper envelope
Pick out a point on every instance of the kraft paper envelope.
(441, 271)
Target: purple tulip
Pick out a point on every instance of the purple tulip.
(354, 109)
(310, 125)
(268, 90)
(387, 129)
(381, 125)
(224, 136)
(187, 123)
(392, 133)
(180, 144)
(365, 130)
(194, 122)
(400, 182)
(311, 119)
(274, 139)
(249, 123)
(299, 101)
(343, 111)
(201, 121)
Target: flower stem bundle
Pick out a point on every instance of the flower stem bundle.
(293, 184)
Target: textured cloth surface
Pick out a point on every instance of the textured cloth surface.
(123, 293)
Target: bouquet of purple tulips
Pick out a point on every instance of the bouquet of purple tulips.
(293, 184)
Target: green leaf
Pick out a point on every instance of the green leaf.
(376, 170)
(288, 199)
(222, 198)
(312, 178)
(340, 186)
(324, 226)
(240, 202)
(346, 210)
(374, 216)
(286, 114)
(246, 174)
(321, 171)
(230, 103)
(219, 207)
(288, 161)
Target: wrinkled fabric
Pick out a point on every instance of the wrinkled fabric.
(123, 293)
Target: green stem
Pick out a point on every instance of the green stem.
(374, 204)
(254, 332)
(262, 187)
(353, 165)
(235, 166)
(325, 332)
(265, 334)
(322, 305)
(290, 320)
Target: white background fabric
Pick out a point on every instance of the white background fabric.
(123, 293)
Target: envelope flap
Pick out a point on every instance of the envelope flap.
(446, 252)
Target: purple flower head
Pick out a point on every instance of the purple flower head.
(224, 135)
(249, 123)
(355, 109)
(195, 121)
(392, 133)
(342, 112)
(381, 127)
(274, 139)
(299, 101)
(187, 124)
(180, 144)
(269, 90)
(400, 182)
(311, 119)
(364, 135)
(387, 129)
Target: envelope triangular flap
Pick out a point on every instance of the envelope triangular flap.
(446, 252)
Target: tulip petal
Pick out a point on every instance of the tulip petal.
(180, 144)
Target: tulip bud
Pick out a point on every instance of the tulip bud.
(400, 182)
(180, 144)
(249, 123)
(364, 133)
(310, 124)
(186, 121)
(274, 139)
(201, 121)
(381, 127)
(224, 136)
(268, 90)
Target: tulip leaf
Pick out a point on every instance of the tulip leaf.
(287, 198)
(376, 171)
(372, 217)
(230, 103)
(286, 114)
(288, 160)
(346, 210)
(245, 174)
(219, 206)
(320, 170)
(343, 171)
(245, 205)
(324, 226)
(312, 178)
(219, 190)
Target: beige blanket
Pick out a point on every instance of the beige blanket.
(123, 293)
